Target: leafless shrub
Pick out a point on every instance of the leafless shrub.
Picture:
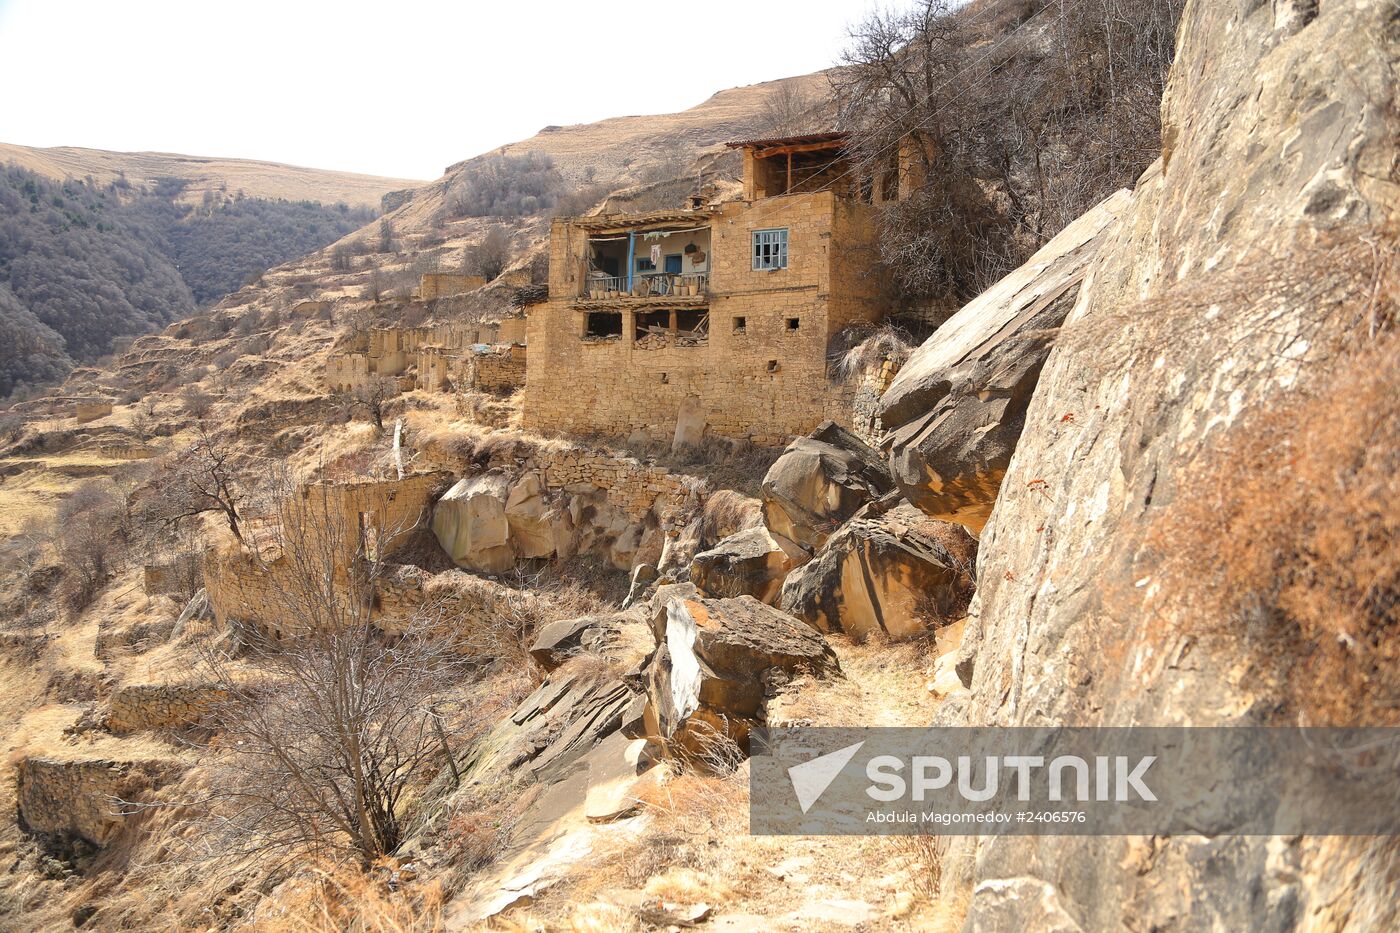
(92, 536)
(788, 110)
(334, 724)
(196, 402)
(872, 349)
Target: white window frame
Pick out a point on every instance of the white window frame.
(769, 249)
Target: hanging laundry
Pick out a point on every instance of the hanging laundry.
(656, 255)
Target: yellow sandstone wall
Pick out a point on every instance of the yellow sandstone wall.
(442, 285)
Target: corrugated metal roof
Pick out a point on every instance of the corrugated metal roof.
(789, 140)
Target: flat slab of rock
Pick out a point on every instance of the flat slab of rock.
(955, 411)
(560, 640)
(896, 573)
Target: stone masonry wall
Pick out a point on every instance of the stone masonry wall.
(61, 797)
(138, 707)
(441, 285)
(496, 370)
(241, 586)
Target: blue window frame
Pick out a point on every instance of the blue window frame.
(770, 249)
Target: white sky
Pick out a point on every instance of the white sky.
(400, 88)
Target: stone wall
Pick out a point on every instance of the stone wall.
(81, 797)
(760, 373)
(500, 369)
(865, 404)
(137, 707)
(436, 285)
(91, 411)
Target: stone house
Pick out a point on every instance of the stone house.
(724, 312)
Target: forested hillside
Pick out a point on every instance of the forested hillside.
(82, 264)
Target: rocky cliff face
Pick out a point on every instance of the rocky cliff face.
(1211, 299)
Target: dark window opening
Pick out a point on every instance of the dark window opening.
(740, 325)
(772, 366)
(600, 325)
(665, 378)
(653, 327)
(693, 323)
(792, 323)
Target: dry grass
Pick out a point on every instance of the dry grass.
(885, 684)
(1286, 535)
(727, 512)
(329, 900)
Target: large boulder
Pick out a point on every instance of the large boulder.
(897, 573)
(955, 411)
(819, 482)
(538, 528)
(749, 563)
(714, 663)
(471, 525)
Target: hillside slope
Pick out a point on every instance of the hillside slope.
(268, 180)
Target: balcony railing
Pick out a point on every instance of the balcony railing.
(647, 285)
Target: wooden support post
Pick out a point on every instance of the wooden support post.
(789, 181)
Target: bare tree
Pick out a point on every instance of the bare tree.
(1011, 120)
(201, 480)
(490, 257)
(372, 397)
(788, 110)
(333, 725)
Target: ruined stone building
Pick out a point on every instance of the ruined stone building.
(489, 356)
(723, 312)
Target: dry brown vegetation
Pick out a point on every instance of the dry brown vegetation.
(1286, 536)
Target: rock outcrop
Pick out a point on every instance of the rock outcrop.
(818, 483)
(1206, 304)
(715, 662)
(749, 563)
(899, 573)
(537, 528)
(955, 411)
